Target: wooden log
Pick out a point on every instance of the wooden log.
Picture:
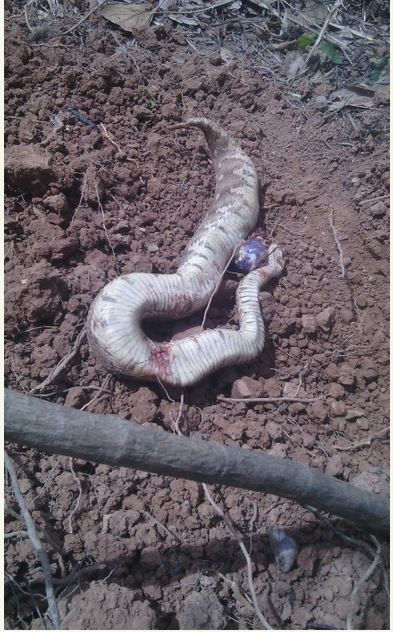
(114, 441)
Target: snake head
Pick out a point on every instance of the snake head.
(251, 255)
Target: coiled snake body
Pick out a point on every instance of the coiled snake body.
(114, 321)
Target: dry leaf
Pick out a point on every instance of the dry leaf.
(182, 19)
(235, 6)
(130, 17)
(348, 98)
(226, 55)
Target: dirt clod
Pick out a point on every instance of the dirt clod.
(201, 611)
(27, 169)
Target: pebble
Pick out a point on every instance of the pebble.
(354, 413)
(336, 390)
(307, 559)
(346, 375)
(272, 387)
(361, 301)
(247, 387)
(337, 409)
(75, 397)
(57, 203)
(378, 209)
(363, 423)
(325, 319)
(317, 410)
(309, 324)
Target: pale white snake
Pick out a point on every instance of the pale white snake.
(114, 321)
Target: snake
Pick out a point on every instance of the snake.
(114, 330)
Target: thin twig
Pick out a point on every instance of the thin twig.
(103, 219)
(76, 507)
(27, 20)
(102, 391)
(338, 244)
(325, 25)
(376, 199)
(16, 534)
(85, 17)
(168, 531)
(84, 184)
(179, 415)
(36, 542)
(219, 283)
(363, 444)
(199, 10)
(361, 581)
(239, 539)
(109, 138)
(62, 364)
(268, 400)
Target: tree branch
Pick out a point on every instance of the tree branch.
(114, 441)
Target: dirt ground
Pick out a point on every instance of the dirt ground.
(132, 550)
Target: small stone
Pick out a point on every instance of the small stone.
(247, 387)
(346, 375)
(354, 413)
(363, 423)
(325, 319)
(309, 324)
(201, 611)
(57, 203)
(337, 409)
(332, 371)
(334, 466)
(336, 390)
(370, 374)
(27, 169)
(307, 559)
(317, 410)
(236, 430)
(75, 397)
(272, 387)
(143, 405)
(378, 209)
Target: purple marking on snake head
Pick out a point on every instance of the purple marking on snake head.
(285, 549)
(251, 255)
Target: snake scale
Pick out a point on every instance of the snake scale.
(114, 320)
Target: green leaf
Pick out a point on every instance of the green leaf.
(304, 40)
(379, 64)
(331, 52)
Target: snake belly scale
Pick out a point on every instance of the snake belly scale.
(114, 320)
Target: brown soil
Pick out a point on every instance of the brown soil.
(79, 211)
